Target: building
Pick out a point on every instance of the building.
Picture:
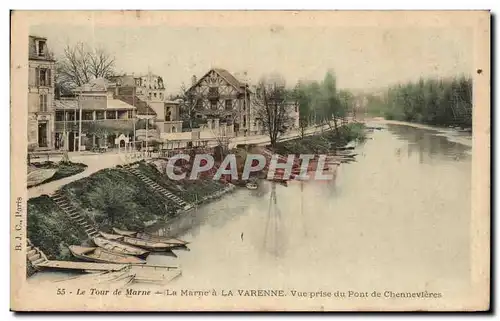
(40, 95)
(105, 120)
(150, 87)
(170, 121)
(219, 98)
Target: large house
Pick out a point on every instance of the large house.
(147, 93)
(220, 96)
(40, 95)
(105, 119)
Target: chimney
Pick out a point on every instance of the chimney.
(193, 80)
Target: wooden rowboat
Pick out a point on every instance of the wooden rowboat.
(113, 237)
(166, 240)
(124, 232)
(152, 238)
(149, 245)
(96, 254)
(117, 247)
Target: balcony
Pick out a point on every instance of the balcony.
(110, 125)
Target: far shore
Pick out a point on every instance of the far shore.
(449, 133)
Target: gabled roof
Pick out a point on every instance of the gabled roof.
(227, 76)
(95, 85)
(142, 107)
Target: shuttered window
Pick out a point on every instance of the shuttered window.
(43, 102)
(43, 77)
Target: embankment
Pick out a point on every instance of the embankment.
(110, 197)
(324, 142)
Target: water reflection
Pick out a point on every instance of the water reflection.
(274, 237)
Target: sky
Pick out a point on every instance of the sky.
(363, 58)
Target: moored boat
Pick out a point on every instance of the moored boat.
(151, 238)
(166, 240)
(96, 254)
(109, 236)
(149, 245)
(118, 247)
(124, 232)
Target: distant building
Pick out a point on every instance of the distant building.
(150, 86)
(40, 94)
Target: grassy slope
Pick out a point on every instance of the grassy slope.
(50, 229)
(189, 190)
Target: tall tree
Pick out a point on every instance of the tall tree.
(80, 64)
(272, 106)
(303, 99)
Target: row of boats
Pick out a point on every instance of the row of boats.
(125, 247)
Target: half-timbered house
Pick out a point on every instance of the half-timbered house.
(220, 96)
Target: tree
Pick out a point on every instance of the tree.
(303, 100)
(272, 107)
(80, 64)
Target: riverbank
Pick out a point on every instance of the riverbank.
(453, 135)
(324, 142)
(112, 197)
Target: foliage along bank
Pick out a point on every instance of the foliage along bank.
(324, 142)
(440, 102)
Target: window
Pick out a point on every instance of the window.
(244, 121)
(155, 95)
(41, 48)
(213, 92)
(44, 77)
(213, 104)
(110, 114)
(87, 115)
(168, 114)
(99, 114)
(59, 115)
(161, 96)
(130, 114)
(229, 104)
(43, 102)
(296, 108)
(199, 104)
(174, 129)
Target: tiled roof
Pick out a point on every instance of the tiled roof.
(229, 78)
(238, 85)
(142, 106)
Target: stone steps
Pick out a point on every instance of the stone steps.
(159, 189)
(74, 214)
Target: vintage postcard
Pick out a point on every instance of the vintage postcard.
(250, 161)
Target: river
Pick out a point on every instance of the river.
(398, 218)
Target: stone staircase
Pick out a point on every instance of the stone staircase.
(64, 203)
(34, 254)
(185, 206)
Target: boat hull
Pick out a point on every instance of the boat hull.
(118, 247)
(102, 256)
